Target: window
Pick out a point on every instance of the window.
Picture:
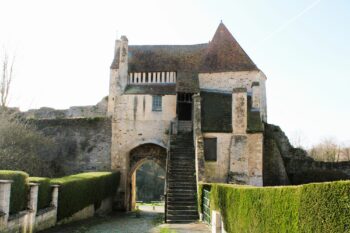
(157, 103)
(210, 145)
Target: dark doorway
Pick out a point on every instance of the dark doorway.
(184, 106)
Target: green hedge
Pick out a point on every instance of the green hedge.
(79, 191)
(45, 191)
(19, 189)
(320, 207)
(325, 207)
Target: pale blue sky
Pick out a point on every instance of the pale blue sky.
(64, 49)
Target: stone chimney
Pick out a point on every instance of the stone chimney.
(118, 74)
(123, 62)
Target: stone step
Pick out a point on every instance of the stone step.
(184, 202)
(188, 160)
(173, 193)
(181, 198)
(182, 207)
(181, 221)
(182, 212)
(183, 170)
(182, 158)
(181, 183)
(185, 167)
(183, 190)
(181, 180)
(181, 176)
(174, 184)
(181, 145)
(181, 167)
(182, 153)
(189, 186)
(178, 197)
(184, 162)
(174, 177)
(188, 171)
(185, 218)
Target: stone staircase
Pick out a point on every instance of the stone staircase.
(184, 126)
(181, 200)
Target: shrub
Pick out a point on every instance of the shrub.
(44, 194)
(79, 191)
(325, 207)
(22, 147)
(319, 207)
(19, 189)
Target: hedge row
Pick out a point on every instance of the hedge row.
(75, 193)
(319, 207)
(79, 191)
(19, 189)
(45, 191)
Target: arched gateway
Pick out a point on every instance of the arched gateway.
(138, 156)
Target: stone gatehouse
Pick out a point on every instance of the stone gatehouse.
(213, 90)
(199, 111)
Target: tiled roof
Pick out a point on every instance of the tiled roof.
(223, 53)
(150, 58)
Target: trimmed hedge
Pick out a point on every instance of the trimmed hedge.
(44, 194)
(19, 189)
(319, 207)
(79, 191)
(325, 207)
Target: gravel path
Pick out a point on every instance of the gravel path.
(148, 222)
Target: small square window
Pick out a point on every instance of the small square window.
(210, 146)
(156, 103)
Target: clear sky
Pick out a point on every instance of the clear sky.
(64, 50)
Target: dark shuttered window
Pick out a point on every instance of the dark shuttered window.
(210, 146)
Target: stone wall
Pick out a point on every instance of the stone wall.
(217, 171)
(284, 164)
(81, 144)
(32, 219)
(29, 219)
(98, 110)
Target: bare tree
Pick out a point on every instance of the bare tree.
(24, 148)
(6, 78)
(328, 150)
(346, 153)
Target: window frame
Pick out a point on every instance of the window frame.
(157, 103)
